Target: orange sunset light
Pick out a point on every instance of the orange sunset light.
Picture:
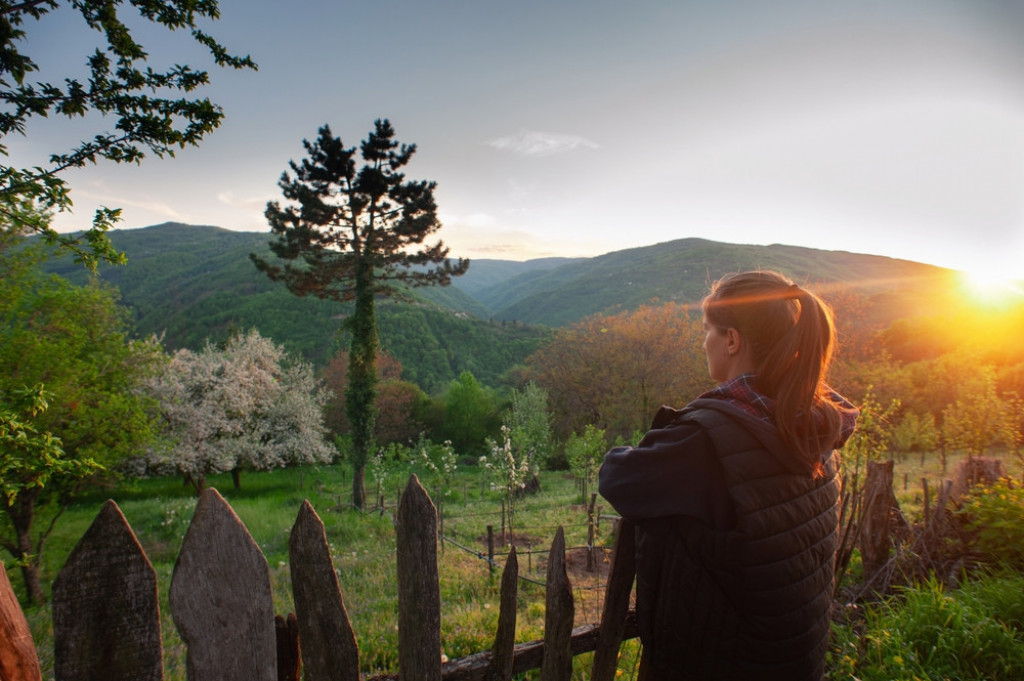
(992, 288)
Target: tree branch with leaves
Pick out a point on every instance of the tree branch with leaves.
(151, 111)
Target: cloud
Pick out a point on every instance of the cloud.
(248, 204)
(141, 203)
(536, 143)
(473, 220)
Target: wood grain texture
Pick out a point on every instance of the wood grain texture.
(221, 599)
(18, 661)
(106, 611)
(500, 668)
(419, 592)
(558, 617)
(616, 603)
(329, 650)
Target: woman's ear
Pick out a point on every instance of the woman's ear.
(733, 341)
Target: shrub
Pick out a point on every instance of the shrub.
(992, 515)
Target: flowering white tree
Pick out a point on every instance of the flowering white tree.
(243, 405)
(508, 473)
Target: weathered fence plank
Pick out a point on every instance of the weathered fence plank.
(221, 602)
(18, 660)
(329, 649)
(500, 668)
(558, 616)
(419, 591)
(221, 598)
(527, 656)
(875, 544)
(106, 611)
(616, 603)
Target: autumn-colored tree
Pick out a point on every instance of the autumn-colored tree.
(398, 403)
(614, 371)
(855, 327)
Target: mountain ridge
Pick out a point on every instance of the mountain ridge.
(192, 283)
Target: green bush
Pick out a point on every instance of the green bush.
(994, 516)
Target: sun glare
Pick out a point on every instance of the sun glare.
(992, 287)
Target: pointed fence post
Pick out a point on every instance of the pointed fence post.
(616, 603)
(18, 660)
(221, 599)
(329, 649)
(106, 612)
(419, 592)
(500, 668)
(558, 617)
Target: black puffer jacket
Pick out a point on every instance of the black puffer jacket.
(735, 546)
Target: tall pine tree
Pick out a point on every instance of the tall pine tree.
(351, 234)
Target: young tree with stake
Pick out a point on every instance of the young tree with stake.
(351, 234)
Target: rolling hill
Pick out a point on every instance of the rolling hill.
(192, 283)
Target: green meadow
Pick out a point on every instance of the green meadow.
(926, 631)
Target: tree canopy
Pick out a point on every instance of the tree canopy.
(69, 379)
(150, 110)
(348, 229)
(614, 371)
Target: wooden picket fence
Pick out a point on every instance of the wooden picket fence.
(106, 617)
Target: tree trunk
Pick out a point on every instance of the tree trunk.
(362, 373)
(22, 514)
(236, 477)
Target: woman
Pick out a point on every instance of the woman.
(735, 497)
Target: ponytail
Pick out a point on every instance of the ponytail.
(792, 337)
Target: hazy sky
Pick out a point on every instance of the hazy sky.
(893, 127)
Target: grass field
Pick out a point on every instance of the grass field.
(363, 549)
(362, 546)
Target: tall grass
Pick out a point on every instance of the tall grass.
(930, 633)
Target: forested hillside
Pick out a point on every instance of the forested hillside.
(192, 283)
(680, 271)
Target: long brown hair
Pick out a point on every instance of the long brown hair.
(792, 337)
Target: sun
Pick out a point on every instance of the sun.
(992, 287)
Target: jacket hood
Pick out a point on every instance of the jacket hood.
(766, 433)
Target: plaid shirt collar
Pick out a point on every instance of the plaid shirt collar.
(742, 392)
